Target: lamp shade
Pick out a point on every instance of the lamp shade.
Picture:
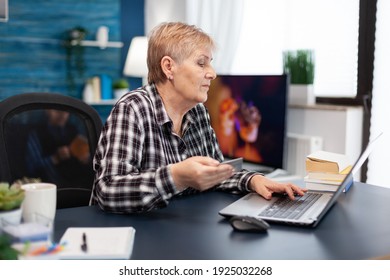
(135, 65)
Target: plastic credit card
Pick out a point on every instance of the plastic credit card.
(236, 163)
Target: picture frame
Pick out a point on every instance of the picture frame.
(3, 10)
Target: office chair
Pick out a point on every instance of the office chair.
(32, 143)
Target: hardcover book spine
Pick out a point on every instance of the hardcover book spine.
(106, 87)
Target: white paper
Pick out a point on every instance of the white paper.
(102, 243)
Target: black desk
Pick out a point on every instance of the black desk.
(190, 228)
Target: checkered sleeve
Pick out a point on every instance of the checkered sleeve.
(121, 185)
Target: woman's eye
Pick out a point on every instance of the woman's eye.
(201, 63)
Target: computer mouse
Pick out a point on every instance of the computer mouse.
(249, 224)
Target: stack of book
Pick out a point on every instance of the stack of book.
(326, 170)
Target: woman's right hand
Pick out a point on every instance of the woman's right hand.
(200, 173)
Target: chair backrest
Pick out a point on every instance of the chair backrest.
(52, 137)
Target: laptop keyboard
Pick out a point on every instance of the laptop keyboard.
(290, 209)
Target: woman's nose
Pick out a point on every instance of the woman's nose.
(211, 73)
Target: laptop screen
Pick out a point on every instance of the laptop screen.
(348, 181)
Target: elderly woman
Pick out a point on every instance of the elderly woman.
(158, 141)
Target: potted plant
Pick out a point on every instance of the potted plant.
(299, 65)
(11, 199)
(75, 64)
(120, 87)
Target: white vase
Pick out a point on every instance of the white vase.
(11, 217)
(88, 95)
(301, 95)
(118, 93)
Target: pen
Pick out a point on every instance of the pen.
(84, 246)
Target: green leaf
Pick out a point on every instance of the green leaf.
(6, 251)
(299, 65)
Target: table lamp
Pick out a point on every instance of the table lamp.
(135, 65)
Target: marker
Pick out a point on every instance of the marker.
(84, 246)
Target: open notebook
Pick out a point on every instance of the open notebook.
(97, 243)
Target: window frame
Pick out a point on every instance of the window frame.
(366, 48)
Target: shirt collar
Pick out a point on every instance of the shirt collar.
(161, 114)
(157, 103)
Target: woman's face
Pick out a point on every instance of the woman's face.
(193, 76)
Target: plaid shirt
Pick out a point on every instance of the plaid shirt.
(137, 146)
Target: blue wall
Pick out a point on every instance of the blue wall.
(32, 52)
(132, 24)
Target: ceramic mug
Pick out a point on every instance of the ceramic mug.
(40, 201)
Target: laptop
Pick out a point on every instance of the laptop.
(305, 210)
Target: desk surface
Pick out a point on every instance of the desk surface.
(191, 228)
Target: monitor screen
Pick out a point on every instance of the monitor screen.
(248, 114)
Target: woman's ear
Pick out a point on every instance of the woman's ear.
(167, 65)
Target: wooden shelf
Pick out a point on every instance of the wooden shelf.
(103, 102)
(85, 43)
(88, 43)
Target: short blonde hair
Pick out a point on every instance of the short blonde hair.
(177, 40)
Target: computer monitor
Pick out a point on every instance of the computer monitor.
(248, 114)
